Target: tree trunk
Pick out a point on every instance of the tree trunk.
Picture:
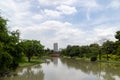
(29, 58)
(100, 55)
(107, 57)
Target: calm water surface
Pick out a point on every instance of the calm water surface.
(67, 69)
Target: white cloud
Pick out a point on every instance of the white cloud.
(46, 22)
(66, 9)
(69, 2)
(56, 2)
(59, 12)
(115, 4)
(53, 31)
(88, 6)
(52, 13)
(106, 32)
(17, 13)
(81, 3)
(64, 6)
(37, 16)
(14, 7)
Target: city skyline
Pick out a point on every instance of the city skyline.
(67, 22)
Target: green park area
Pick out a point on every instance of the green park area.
(16, 52)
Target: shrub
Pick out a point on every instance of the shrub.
(93, 58)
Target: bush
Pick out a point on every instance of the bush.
(5, 61)
(93, 58)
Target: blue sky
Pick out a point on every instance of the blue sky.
(68, 22)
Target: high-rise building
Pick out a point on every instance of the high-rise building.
(55, 46)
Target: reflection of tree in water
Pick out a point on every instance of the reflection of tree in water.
(54, 60)
(97, 68)
(28, 73)
(111, 70)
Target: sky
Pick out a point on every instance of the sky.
(67, 22)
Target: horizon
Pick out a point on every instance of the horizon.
(71, 22)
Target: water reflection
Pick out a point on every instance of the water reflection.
(55, 60)
(67, 69)
(101, 71)
(28, 73)
(71, 69)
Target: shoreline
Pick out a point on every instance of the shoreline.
(86, 59)
(31, 63)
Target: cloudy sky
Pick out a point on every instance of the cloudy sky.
(68, 22)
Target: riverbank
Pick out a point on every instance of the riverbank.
(36, 60)
(88, 59)
(32, 62)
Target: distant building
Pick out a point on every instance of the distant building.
(60, 49)
(55, 47)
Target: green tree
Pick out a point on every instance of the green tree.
(108, 48)
(75, 51)
(71, 51)
(14, 49)
(31, 48)
(8, 47)
(94, 49)
(117, 44)
(117, 36)
(5, 61)
(63, 52)
(5, 57)
(85, 51)
(48, 52)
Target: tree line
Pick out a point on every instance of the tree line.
(13, 49)
(109, 50)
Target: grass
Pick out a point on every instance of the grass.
(33, 61)
(102, 59)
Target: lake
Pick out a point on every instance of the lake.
(67, 69)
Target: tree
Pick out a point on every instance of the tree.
(5, 61)
(94, 50)
(84, 51)
(10, 53)
(71, 51)
(63, 52)
(49, 52)
(75, 51)
(117, 43)
(108, 47)
(5, 57)
(31, 48)
(14, 49)
(117, 36)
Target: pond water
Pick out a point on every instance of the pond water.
(67, 69)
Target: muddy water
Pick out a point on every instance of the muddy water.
(67, 69)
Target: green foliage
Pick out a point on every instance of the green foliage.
(12, 49)
(31, 48)
(117, 36)
(93, 58)
(34, 61)
(10, 52)
(5, 61)
(94, 49)
(115, 57)
(48, 52)
(84, 51)
(108, 47)
(109, 50)
(73, 51)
